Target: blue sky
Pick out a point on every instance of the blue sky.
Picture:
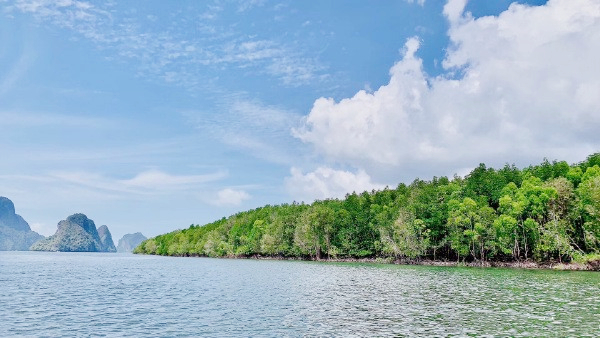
(156, 116)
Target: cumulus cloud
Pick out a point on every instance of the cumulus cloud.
(326, 182)
(453, 10)
(230, 197)
(518, 87)
(371, 126)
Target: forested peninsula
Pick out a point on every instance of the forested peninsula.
(542, 214)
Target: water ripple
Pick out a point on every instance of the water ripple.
(108, 295)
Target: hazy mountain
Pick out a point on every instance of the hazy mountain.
(106, 240)
(128, 242)
(15, 233)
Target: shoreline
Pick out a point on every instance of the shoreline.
(428, 262)
(530, 265)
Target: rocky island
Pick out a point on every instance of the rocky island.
(77, 233)
(15, 233)
(128, 242)
(106, 241)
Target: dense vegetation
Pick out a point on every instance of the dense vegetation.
(546, 212)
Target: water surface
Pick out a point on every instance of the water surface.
(100, 294)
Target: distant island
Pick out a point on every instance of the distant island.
(77, 233)
(128, 242)
(15, 233)
(542, 215)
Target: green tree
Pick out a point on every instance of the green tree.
(471, 229)
(313, 234)
(549, 211)
(588, 194)
(507, 238)
(215, 244)
(406, 237)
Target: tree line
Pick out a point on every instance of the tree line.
(545, 212)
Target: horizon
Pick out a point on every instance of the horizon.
(151, 119)
(282, 203)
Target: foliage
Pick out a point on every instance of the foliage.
(545, 212)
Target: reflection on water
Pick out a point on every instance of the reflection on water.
(82, 294)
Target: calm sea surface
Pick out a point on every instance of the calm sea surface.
(99, 294)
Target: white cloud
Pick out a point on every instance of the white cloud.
(295, 70)
(28, 119)
(259, 129)
(246, 5)
(79, 15)
(253, 114)
(518, 87)
(148, 182)
(16, 71)
(374, 127)
(230, 197)
(156, 179)
(453, 10)
(170, 199)
(420, 2)
(170, 54)
(326, 182)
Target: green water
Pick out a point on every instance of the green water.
(78, 294)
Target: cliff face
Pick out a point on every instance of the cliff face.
(128, 242)
(106, 241)
(14, 240)
(9, 218)
(15, 233)
(76, 233)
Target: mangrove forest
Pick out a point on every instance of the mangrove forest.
(543, 213)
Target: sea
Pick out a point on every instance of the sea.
(54, 294)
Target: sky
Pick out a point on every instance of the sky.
(153, 116)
